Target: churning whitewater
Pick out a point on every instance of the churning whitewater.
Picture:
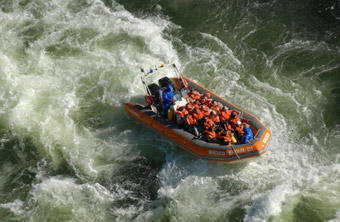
(69, 152)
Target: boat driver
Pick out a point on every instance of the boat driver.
(168, 95)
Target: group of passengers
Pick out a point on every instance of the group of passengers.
(207, 119)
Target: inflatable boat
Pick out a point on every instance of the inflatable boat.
(152, 116)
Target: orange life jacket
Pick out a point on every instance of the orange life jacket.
(189, 120)
(216, 119)
(234, 120)
(195, 95)
(193, 104)
(211, 135)
(225, 115)
(182, 113)
(148, 99)
(228, 127)
(225, 137)
(198, 115)
(207, 102)
(189, 106)
(239, 130)
(216, 107)
(208, 123)
(208, 95)
(205, 110)
(188, 98)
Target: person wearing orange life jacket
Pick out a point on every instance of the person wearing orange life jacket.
(225, 137)
(215, 118)
(225, 114)
(206, 96)
(189, 108)
(206, 100)
(188, 98)
(239, 129)
(198, 115)
(197, 104)
(234, 118)
(190, 124)
(180, 113)
(192, 107)
(207, 123)
(227, 126)
(193, 94)
(205, 109)
(219, 130)
(210, 134)
(189, 120)
(216, 106)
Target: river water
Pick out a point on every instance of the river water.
(68, 151)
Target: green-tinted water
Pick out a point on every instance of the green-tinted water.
(69, 153)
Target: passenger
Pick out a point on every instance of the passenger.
(180, 113)
(168, 96)
(197, 104)
(205, 109)
(227, 126)
(225, 114)
(198, 115)
(207, 123)
(234, 118)
(248, 134)
(239, 129)
(188, 98)
(219, 130)
(210, 134)
(189, 120)
(225, 137)
(206, 95)
(215, 117)
(206, 100)
(216, 106)
(189, 108)
(194, 94)
(190, 124)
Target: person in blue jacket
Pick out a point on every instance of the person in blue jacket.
(248, 134)
(168, 95)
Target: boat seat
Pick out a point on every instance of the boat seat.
(156, 91)
(164, 82)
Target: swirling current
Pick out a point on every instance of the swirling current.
(69, 152)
